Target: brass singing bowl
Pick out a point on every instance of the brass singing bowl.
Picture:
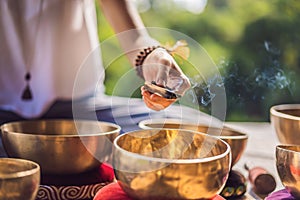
(171, 164)
(19, 179)
(237, 140)
(60, 146)
(288, 167)
(285, 120)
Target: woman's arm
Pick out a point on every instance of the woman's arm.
(124, 18)
(158, 66)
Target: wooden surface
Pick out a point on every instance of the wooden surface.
(260, 150)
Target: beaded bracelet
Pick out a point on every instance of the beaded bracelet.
(141, 57)
(180, 48)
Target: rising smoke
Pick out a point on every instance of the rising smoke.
(244, 90)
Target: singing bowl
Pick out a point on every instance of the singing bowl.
(60, 146)
(288, 167)
(237, 140)
(285, 120)
(171, 164)
(19, 179)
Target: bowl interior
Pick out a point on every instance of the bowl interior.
(236, 139)
(60, 127)
(224, 132)
(14, 168)
(171, 144)
(289, 111)
(289, 148)
(293, 112)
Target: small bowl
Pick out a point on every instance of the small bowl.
(171, 164)
(288, 167)
(60, 146)
(237, 140)
(19, 179)
(285, 119)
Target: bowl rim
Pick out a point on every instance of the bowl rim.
(274, 111)
(241, 135)
(177, 161)
(24, 173)
(116, 130)
(142, 123)
(283, 147)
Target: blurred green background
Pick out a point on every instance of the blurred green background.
(254, 43)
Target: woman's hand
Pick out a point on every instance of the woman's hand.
(160, 67)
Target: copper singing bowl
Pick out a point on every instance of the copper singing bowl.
(171, 164)
(285, 119)
(19, 179)
(288, 167)
(60, 146)
(236, 139)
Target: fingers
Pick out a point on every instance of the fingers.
(157, 65)
(170, 75)
(185, 85)
(164, 67)
(162, 76)
(177, 82)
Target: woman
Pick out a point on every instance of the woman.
(44, 43)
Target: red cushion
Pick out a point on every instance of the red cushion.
(106, 173)
(114, 191)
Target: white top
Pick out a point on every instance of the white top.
(52, 50)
